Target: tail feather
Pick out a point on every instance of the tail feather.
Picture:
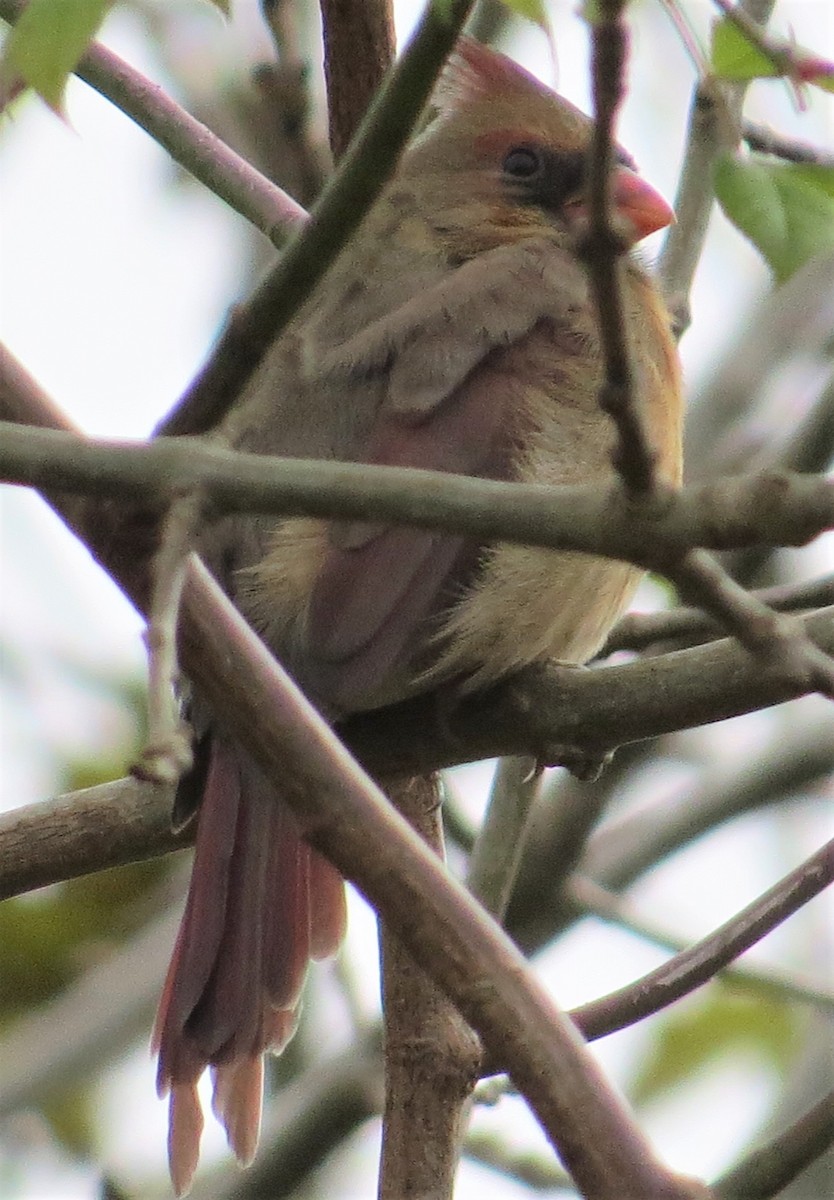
(287, 933)
(238, 1088)
(261, 903)
(201, 928)
(328, 908)
(185, 1127)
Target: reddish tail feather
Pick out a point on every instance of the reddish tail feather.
(260, 905)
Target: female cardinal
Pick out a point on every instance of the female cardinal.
(456, 333)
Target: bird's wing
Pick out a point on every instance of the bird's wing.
(448, 406)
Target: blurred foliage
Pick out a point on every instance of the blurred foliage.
(704, 1031)
(786, 211)
(52, 936)
(49, 937)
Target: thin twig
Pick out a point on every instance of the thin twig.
(679, 17)
(691, 626)
(609, 907)
(778, 641)
(692, 968)
(766, 1172)
(167, 751)
(782, 54)
(496, 855)
(768, 141)
(633, 458)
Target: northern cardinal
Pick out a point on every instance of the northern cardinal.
(455, 332)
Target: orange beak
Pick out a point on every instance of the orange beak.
(638, 204)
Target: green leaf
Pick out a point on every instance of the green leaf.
(701, 1033)
(70, 1113)
(531, 10)
(816, 176)
(734, 57)
(45, 45)
(225, 6)
(787, 211)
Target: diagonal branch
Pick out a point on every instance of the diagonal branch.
(695, 966)
(767, 1171)
(778, 641)
(608, 907)
(689, 626)
(447, 933)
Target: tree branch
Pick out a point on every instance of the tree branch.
(690, 626)
(774, 508)
(767, 1171)
(693, 967)
(768, 141)
(443, 928)
(713, 126)
(106, 826)
(606, 906)
(603, 247)
(359, 44)
(43, 843)
(777, 641)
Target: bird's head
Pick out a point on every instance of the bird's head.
(505, 157)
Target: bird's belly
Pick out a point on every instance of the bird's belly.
(532, 605)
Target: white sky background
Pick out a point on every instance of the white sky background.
(113, 286)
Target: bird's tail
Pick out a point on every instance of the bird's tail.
(261, 904)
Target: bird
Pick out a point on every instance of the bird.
(455, 332)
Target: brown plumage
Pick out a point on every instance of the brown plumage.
(455, 333)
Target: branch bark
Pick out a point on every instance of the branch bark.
(777, 508)
(432, 1058)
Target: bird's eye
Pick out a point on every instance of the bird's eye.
(523, 162)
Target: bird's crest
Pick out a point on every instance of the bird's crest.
(496, 91)
(475, 72)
